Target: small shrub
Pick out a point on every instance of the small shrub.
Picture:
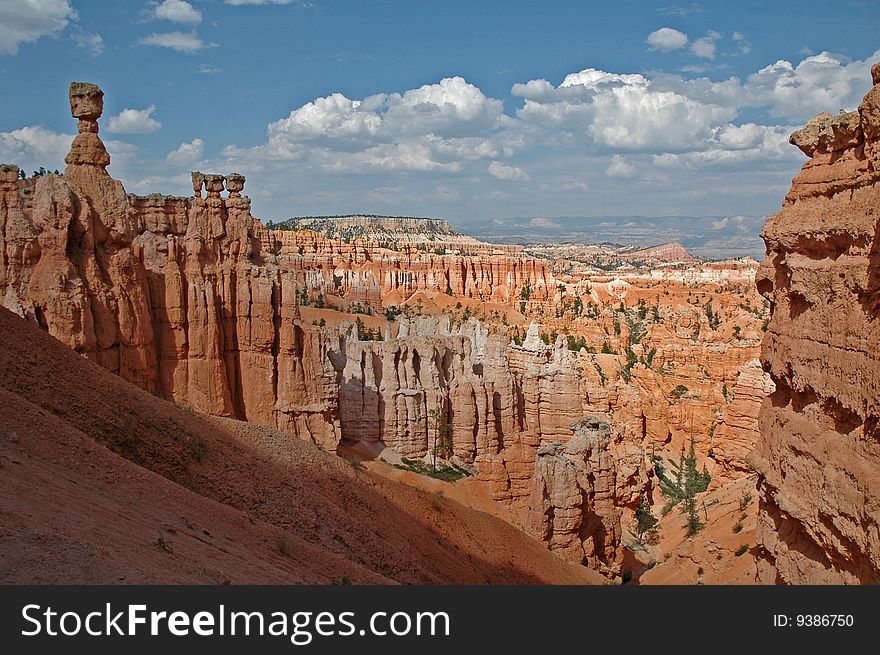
(727, 393)
(677, 393)
(198, 449)
(741, 550)
(447, 473)
(645, 519)
(576, 343)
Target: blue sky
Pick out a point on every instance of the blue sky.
(462, 110)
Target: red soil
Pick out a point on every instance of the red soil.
(102, 482)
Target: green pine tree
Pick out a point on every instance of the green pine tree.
(645, 519)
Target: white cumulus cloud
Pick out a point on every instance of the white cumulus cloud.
(667, 39)
(187, 42)
(679, 140)
(406, 156)
(332, 117)
(452, 107)
(616, 111)
(432, 128)
(705, 46)
(25, 21)
(794, 92)
(176, 11)
(823, 82)
(186, 153)
(668, 160)
(739, 137)
(619, 167)
(34, 146)
(91, 43)
(507, 173)
(34, 143)
(742, 43)
(134, 121)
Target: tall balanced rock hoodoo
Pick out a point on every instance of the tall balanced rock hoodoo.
(819, 452)
(87, 104)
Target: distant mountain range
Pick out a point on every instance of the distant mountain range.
(713, 237)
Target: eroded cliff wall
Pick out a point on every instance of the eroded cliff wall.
(819, 452)
(172, 294)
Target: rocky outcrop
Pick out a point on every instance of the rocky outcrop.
(388, 389)
(580, 489)
(172, 294)
(397, 232)
(737, 432)
(366, 271)
(665, 252)
(87, 104)
(498, 399)
(818, 453)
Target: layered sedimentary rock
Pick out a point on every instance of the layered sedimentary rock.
(737, 432)
(389, 389)
(665, 252)
(172, 294)
(508, 409)
(397, 232)
(819, 452)
(362, 271)
(580, 488)
(686, 379)
(494, 396)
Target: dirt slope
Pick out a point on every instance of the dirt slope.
(102, 482)
(723, 552)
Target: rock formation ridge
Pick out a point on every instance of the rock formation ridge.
(819, 452)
